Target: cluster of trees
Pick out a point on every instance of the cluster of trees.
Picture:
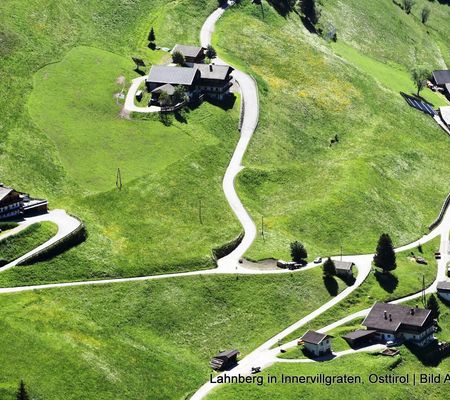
(310, 12)
(408, 5)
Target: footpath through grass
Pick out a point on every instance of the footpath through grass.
(156, 338)
(16, 246)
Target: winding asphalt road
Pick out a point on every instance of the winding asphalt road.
(264, 355)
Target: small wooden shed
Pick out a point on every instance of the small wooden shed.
(224, 360)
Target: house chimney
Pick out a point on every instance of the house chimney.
(385, 314)
(210, 67)
(390, 317)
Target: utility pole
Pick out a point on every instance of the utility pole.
(119, 179)
(262, 227)
(200, 217)
(423, 291)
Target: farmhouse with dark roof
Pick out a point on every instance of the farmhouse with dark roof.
(14, 204)
(317, 344)
(396, 322)
(192, 54)
(211, 80)
(441, 79)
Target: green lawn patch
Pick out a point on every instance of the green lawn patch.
(16, 246)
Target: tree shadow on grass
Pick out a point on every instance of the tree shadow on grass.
(331, 285)
(349, 280)
(429, 356)
(138, 71)
(387, 281)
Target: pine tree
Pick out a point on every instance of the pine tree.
(329, 269)
(433, 305)
(298, 252)
(22, 393)
(151, 35)
(385, 256)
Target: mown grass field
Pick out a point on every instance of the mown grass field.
(149, 340)
(61, 138)
(387, 173)
(17, 245)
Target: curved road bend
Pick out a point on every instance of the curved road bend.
(66, 225)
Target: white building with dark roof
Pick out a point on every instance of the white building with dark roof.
(317, 344)
(11, 202)
(215, 80)
(441, 78)
(400, 323)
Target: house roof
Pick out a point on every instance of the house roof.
(173, 75)
(168, 88)
(314, 337)
(188, 51)
(443, 286)
(445, 114)
(389, 317)
(4, 191)
(227, 354)
(441, 77)
(213, 71)
(343, 265)
(358, 334)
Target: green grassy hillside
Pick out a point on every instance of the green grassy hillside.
(387, 173)
(61, 137)
(149, 340)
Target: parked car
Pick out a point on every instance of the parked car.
(437, 255)
(390, 343)
(421, 260)
(318, 260)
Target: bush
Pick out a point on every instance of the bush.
(298, 252)
(178, 58)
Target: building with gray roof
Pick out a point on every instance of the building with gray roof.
(397, 322)
(192, 54)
